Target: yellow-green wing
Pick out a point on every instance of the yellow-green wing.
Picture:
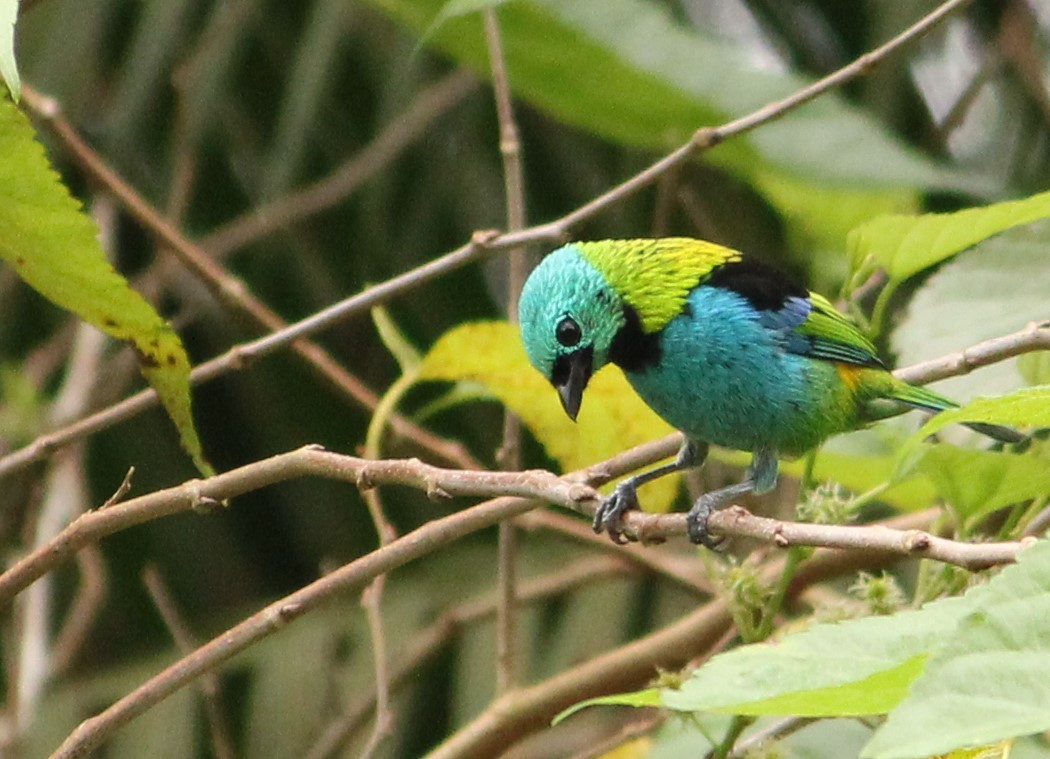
(834, 337)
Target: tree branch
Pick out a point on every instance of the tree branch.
(1034, 337)
(308, 461)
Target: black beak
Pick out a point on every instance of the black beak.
(572, 372)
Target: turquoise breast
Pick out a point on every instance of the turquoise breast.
(724, 378)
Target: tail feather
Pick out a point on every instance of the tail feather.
(921, 398)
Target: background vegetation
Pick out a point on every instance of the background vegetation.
(314, 149)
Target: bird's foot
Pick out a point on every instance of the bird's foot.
(696, 519)
(609, 516)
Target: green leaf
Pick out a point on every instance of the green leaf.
(977, 483)
(612, 418)
(990, 680)
(861, 666)
(8, 66)
(52, 246)
(904, 245)
(594, 64)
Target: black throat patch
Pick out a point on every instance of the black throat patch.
(762, 286)
(632, 349)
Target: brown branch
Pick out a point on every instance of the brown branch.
(1034, 337)
(482, 245)
(91, 594)
(371, 600)
(528, 486)
(308, 461)
(738, 522)
(524, 706)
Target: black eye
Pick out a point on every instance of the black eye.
(568, 332)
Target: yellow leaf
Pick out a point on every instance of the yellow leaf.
(638, 748)
(612, 419)
(994, 751)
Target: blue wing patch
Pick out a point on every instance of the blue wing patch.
(812, 327)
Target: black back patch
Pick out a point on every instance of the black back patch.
(632, 349)
(765, 288)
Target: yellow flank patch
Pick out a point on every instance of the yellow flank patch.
(850, 374)
(656, 276)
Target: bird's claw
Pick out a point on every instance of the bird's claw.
(696, 521)
(609, 516)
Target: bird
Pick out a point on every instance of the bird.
(722, 346)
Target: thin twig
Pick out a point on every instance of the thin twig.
(211, 688)
(94, 585)
(630, 732)
(372, 601)
(510, 445)
(384, 723)
(777, 731)
(122, 490)
(1034, 337)
(482, 245)
(300, 205)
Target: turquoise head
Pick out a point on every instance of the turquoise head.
(570, 317)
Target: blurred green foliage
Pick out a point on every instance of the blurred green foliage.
(214, 110)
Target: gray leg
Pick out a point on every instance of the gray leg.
(609, 515)
(761, 478)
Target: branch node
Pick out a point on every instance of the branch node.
(285, 613)
(482, 238)
(364, 480)
(580, 493)
(435, 492)
(917, 541)
(780, 540)
(705, 138)
(200, 503)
